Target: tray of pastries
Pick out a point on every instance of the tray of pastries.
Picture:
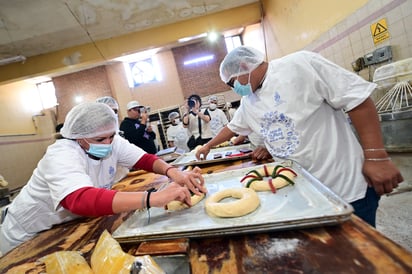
(275, 196)
(218, 154)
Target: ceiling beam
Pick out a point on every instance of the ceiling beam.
(99, 52)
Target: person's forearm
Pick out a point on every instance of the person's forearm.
(366, 123)
(224, 135)
(185, 120)
(128, 201)
(203, 116)
(160, 167)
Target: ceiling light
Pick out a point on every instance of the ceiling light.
(14, 59)
(187, 39)
(199, 59)
(212, 36)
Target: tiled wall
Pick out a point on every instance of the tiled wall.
(352, 37)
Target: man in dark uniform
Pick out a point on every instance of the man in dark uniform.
(136, 129)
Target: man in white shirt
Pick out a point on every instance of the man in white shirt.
(197, 121)
(218, 118)
(297, 104)
(177, 135)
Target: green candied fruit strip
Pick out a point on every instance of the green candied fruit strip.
(251, 181)
(275, 170)
(255, 172)
(286, 178)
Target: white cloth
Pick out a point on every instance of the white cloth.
(218, 120)
(299, 113)
(256, 140)
(179, 135)
(230, 113)
(64, 169)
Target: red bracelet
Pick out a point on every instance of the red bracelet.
(167, 170)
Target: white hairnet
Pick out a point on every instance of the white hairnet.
(89, 120)
(173, 115)
(239, 61)
(110, 101)
(213, 98)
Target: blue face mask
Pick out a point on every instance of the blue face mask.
(99, 150)
(242, 90)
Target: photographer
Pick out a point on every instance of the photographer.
(197, 122)
(136, 128)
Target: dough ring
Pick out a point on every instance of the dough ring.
(247, 202)
(279, 176)
(177, 205)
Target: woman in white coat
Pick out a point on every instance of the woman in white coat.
(75, 176)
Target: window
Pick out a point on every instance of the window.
(47, 94)
(233, 42)
(143, 71)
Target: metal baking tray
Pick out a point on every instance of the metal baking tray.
(173, 264)
(229, 153)
(308, 203)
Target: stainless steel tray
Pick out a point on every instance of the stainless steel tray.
(235, 152)
(308, 203)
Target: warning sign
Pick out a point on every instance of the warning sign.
(380, 31)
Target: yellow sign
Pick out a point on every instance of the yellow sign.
(380, 31)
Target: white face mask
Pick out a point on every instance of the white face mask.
(212, 106)
(176, 121)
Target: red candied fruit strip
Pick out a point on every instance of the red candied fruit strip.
(271, 185)
(265, 169)
(286, 169)
(248, 176)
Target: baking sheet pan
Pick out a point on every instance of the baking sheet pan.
(308, 203)
(229, 153)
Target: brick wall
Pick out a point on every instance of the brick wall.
(89, 84)
(201, 78)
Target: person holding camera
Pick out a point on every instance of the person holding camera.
(197, 122)
(136, 128)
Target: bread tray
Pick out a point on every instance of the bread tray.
(216, 155)
(307, 203)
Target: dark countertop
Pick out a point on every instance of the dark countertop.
(350, 247)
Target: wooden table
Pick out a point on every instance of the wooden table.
(351, 247)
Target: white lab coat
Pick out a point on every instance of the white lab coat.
(64, 169)
(179, 135)
(299, 113)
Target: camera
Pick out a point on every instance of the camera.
(191, 103)
(144, 109)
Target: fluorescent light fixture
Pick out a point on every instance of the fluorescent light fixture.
(14, 59)
(187, 39)
(199, 59)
